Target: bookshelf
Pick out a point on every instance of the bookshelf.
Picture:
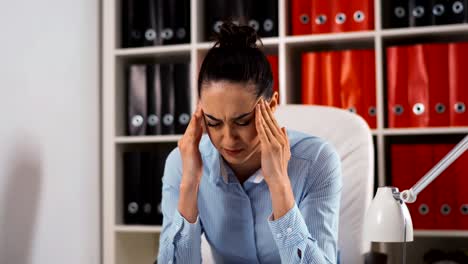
(139, 244)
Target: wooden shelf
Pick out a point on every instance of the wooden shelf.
(424, 131)
(147, 139)
(424, 31)
(441, 233)
(137, 229)
(168, 50)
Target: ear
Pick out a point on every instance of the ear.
(274, 101)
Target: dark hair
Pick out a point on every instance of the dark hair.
(236, 57)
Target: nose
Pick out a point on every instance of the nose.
(230, 136)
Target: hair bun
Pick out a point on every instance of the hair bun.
(234, 36)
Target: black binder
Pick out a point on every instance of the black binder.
(169, 17)
(182, 22)
(151, 188)
(448, 11)
(132, 23)
(420, 13)
(218, 11)
(398, 13)
(154, 100)
(152, 23)
(136, 99)
(168, 98)
(182, 96)
(266, 13)
(132, 187)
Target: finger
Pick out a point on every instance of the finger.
(274, 130)
(272, 118)
(258, 124)
(285, 133)
(266, 127)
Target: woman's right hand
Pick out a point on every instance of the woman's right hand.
(192, 166)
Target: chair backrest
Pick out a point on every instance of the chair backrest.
(352, 138)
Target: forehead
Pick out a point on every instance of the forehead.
(223, 99)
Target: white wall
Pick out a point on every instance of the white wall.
(49, 132)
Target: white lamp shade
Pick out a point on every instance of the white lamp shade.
(386, 217)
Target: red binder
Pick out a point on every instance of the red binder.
(331, 69)
(444, 196)
(321, 16)
(398, 109)
(361, 15)
(341, 15)
(418, 87)
(273, 59)
(311, 78)
(301, 17)
(368, 94)
(402, 178)
(458, 78)
(461, 182)
(437, 70)
(421, 162)
(351, 81)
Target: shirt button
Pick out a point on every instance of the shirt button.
(278, 235)
(289, 230)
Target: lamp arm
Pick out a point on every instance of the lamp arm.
(409, 196)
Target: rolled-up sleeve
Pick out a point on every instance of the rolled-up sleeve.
(308, 233)
(180, 240)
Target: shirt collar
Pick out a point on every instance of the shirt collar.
(228, 175)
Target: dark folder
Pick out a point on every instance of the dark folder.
(131, 187)
(419, 13)
(397, 13)
(136, 99)
(168, 98)
(154, 100)
(151, 188)
(182, 21)
(182, 96)
(132, 23)
(266, 13)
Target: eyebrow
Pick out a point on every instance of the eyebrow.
(235, 118)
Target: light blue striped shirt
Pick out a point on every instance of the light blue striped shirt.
(236, 218)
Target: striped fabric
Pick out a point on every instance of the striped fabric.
(236, 218)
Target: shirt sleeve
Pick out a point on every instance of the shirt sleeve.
(180, 240)
(308, 233)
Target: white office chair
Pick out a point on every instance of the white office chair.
(351, 137)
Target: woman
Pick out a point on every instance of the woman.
(259, 193)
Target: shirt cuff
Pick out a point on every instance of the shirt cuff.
(186, 234)
(290, 229)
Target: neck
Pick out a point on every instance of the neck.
(245, 170)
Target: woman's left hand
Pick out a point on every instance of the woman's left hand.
(275, 147)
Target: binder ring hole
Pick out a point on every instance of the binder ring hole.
(464, 209)
(359, 16)
(372, 111)
(150, 34)
(418, 11)
(418, 109)
(458, 7)
(168, 119)
(167, 33)
(398, 109)
(184, 119)
(132, 208)
(181, 33)
(268, 25)
(304, 19)
(321, 19)
(423, 209)
(440, 108)
(153, 120)
(399, 12)
(460, 108)
(254, 24)
(445, 209)
(438, 10)
(352, 109)
(136, 34)
(147, 208)
(217, 26)
(340, 18)
(159, 208)
(137, 121)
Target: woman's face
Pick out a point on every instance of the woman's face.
(229, 112)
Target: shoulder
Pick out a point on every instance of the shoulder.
(310, 148)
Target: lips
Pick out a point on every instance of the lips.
(233, 151)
